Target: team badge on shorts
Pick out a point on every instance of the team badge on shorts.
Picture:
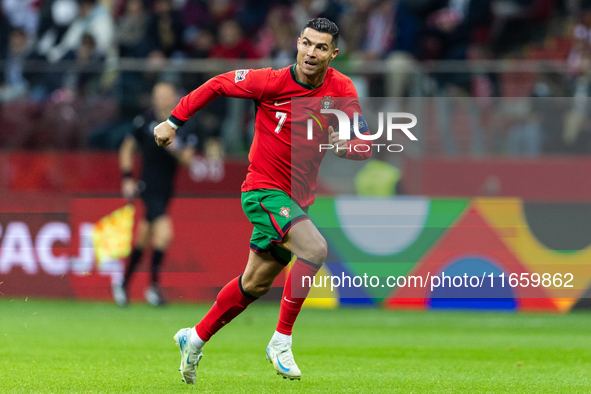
(239, 75)
(284, 211)
(326, 103)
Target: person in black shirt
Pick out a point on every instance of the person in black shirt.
(155, 188)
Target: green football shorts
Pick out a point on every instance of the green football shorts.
(272, 213)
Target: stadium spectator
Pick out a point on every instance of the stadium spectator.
(201, 44)
(448, 36)
(576, 131)
(379, 33)
(353, 22)
(378, 40)
(22, 14)
(403, 77)
(55, 19)
(198, 47)
(251, 14)
(277, 18)
(13, 84)
(5, 30)
(304, 10)
(232, 44)
(581, 44)
(92, 19)
(221, 10)
(209, 121)
(131, 30)
(165, 29)
(196, 13)
(517, 22)
(284, 51)
(85, 78)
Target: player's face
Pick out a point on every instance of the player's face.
(315, 52)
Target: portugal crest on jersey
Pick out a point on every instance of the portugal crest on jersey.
(326, 103)
(285, 212)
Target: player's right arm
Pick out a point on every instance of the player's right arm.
(248, 84)
(126, 153)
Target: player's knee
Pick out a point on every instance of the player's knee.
(167, 237)
(162, 233)
(142, 236)
(316, 251)
(161, 240)
(256, 289)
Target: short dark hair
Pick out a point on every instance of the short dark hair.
(323, 25)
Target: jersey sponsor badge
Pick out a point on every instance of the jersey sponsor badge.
(285, 212)
(326, 103)
(240, 75)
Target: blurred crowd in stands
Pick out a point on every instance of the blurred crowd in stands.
(59, 60)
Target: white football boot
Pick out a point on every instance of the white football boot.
(119, 294)
(189, 356)
(154, 296)
(280, 355)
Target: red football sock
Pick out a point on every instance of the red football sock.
(229, 303)
(290, 305)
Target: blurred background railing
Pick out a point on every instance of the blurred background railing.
(69, 106)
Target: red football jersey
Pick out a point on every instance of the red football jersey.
(281, 157)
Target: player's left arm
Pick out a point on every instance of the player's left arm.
(355, 148)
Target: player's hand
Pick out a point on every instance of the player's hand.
(129, 188)
(164, 134)
(339, 146)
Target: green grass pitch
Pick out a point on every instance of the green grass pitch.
(84, 347)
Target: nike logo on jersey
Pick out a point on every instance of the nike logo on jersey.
(278, 104)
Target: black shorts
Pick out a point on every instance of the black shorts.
(155, 202)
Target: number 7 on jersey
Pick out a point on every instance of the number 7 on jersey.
(282, 116)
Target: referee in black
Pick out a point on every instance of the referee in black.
(155, 188)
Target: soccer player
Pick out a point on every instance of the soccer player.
(275, 208)
(159, 166)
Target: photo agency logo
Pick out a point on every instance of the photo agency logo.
(359, 126)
